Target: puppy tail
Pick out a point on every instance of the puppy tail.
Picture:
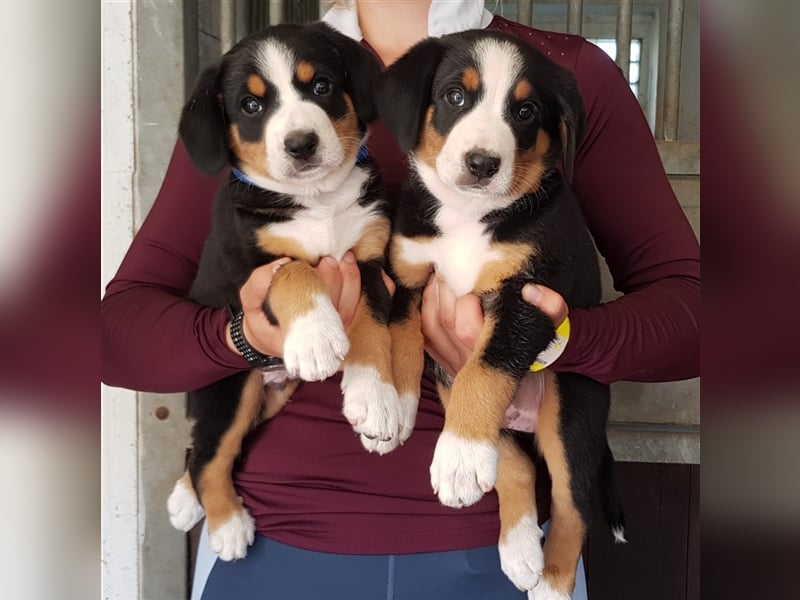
(610, 498)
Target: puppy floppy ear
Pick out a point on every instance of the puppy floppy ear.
(361, 68)
(572, 118)
(404, 91)
(202, 125)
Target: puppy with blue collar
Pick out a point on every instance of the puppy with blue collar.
(287, 109)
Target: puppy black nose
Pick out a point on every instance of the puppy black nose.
(481, 164)
(301, 144)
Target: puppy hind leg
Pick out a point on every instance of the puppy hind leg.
(231, 529)
(520, 544)
(568, 528)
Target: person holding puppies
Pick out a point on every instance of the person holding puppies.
(333, 520)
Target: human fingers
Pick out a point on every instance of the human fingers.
(449, 308)
(259, 332)
(351, 288)
(547, 300)
(331, 276)
(468, 320)
(391, 286)
(437, 342)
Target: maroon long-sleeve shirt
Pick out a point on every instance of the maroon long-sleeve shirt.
(305, 477)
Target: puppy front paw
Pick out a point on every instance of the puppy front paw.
(315, 343)
(462, 470)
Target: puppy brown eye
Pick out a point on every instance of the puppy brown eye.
(322, 87)
(455, 97)
(526, 112)
(251, 106)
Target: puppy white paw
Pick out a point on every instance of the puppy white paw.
(315, 343)
(544, 591)
(185, 510)
(462, 470)
(521, 556)
(231, 539)
(371, 406)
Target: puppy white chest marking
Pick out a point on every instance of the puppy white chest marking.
(459, 254)
(333, 221)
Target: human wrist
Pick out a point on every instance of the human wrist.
(237, 338)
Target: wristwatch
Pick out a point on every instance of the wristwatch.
(253, 356)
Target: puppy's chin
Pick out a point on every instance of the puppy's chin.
(308, 173)
(491, 190)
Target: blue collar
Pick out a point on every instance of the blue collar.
(361, 157)
(241, 177)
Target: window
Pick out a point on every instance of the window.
(600, 27)
(609, 46)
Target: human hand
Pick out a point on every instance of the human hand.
(342, 280)
(451, 325)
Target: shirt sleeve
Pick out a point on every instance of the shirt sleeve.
(154, 338)
(651, 333)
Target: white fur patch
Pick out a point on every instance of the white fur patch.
(544, 591)
(619, 535)
(184, 508)
(484, 127)
(333, 221)
(372, 407)
(315, 344)
(462, 470)
(459, 253)
(231, 539)
(521, 556)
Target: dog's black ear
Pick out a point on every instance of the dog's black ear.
(361, 68)
(202, 125)
(572, 120)
(404, 91)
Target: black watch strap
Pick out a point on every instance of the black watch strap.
(253, 356)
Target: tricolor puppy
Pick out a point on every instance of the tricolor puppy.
(287, 109)
(488, 121)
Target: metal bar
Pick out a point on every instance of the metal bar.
(624, 28)
(242, 19)
(275, 12)
(227, 25)
(672, 85)
(525, 12)
(575, 16)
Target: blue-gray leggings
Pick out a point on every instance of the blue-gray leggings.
(275, 571)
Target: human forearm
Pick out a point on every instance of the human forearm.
(648, 335)
(176, 345)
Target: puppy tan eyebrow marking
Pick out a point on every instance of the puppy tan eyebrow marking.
(471, 79)
(256, 85)
(305, 71)
(522, 90)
